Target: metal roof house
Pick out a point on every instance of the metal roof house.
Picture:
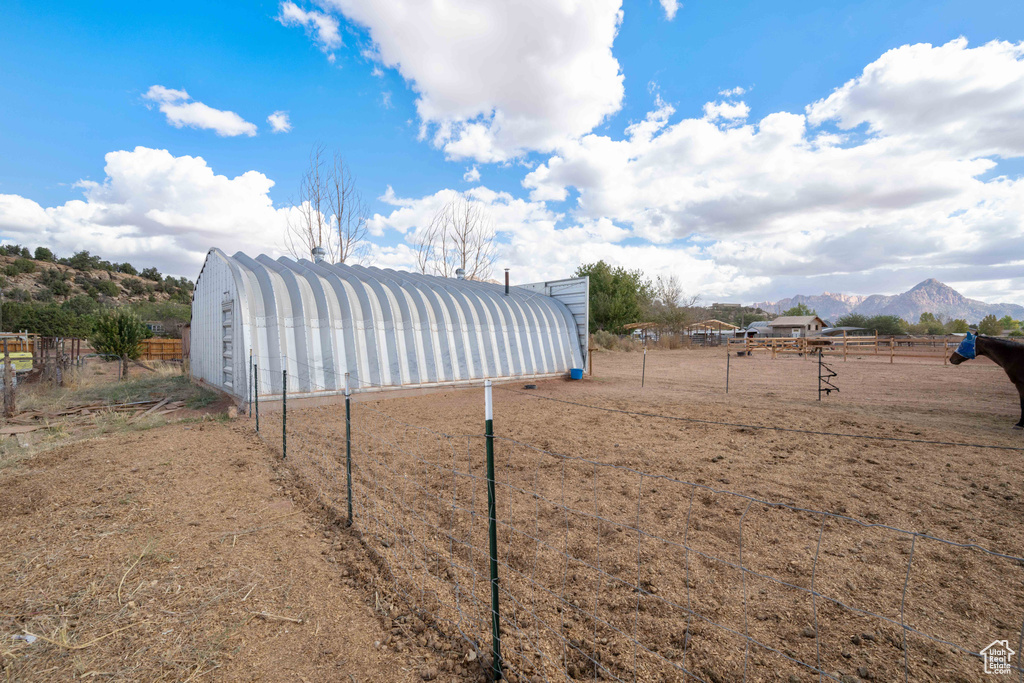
(387, 329)
(797, 326)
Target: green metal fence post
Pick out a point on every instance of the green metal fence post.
(284, 414)
(250, 382)
(348, 446)
(256, 374)
(492, 524)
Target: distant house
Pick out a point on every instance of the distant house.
(155, 326)
(797, 326)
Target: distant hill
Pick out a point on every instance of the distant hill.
(44, 281)
(930, 296)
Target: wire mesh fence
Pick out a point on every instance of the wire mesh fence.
(609, 572)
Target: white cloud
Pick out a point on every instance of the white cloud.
(970, 101)
(494, 84)
(785, 199)
(733, 92)
(730, 111)
(670, 7)
(322, 28)
(181, 112)
(472, 175)
(279, 122)
(527, 229)
(154, 209)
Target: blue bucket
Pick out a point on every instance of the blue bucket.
(576, 373)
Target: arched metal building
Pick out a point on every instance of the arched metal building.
(388, 329)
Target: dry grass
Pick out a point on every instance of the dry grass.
(97, 384)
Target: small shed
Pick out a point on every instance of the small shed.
(797, 326)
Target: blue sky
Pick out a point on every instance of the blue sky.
(760, 210)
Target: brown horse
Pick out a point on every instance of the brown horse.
(1006, 354)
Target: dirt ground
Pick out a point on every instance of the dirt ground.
(639, 544)
(179, 553)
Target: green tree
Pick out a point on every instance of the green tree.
(887, 324)
(617, 296)
(119, 333)
(928, 323)
(43, 254)
(126, 268)
(152, 274)
(83, 261)
(1008, 323)
(800, 309)
(958, 326)
(990, 325)
(852, 320)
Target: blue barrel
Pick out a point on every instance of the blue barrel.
(576, 373)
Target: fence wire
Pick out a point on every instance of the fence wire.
(613, 573)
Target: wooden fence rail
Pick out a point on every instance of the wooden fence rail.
(895, 347)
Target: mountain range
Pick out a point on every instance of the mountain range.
(930, 296)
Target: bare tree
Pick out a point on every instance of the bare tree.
(348, 213)
(330, 212)
(307, 229)
(669, 307)
(460, 235)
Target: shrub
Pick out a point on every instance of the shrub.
(44, 294)
(24, 265)
(605, 339)
(61, 288)
(107, 288)
(43, 254)
(134, 286)
(127, 269)
(152, 274)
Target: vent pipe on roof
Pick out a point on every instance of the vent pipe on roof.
(506, 282)
(460, 274)
(319, 253)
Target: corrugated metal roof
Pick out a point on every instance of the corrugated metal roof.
(384, 327)
(795, 320)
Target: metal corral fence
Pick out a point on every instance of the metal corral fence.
(935, 347)
(556, 568)
(161, 349)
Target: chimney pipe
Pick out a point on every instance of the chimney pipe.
(318, 254)
(506, 282)
(460, 274)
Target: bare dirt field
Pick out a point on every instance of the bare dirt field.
(688, 550)
(177, 553)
